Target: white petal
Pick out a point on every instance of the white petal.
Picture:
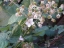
(21, 9)
(29, 25)
(42, 2)
(35, 16)
(47, 6)
(39, 25)
(16, 14)
(58, 16)
(32, 23)
(21, 39)
(53, 2)
(49, 2)
(61, 6)
(50, 16)
(29, 22)
(63, 12)
(52, 11)
(33, 13)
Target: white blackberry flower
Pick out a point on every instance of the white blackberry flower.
(58, 16)
(29, 22)
(42, 2)
(61, 6)
(53, 2)
(21, 38)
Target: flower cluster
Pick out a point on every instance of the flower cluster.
(50, 8)
(37, 12)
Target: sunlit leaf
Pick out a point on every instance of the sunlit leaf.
(14, 19)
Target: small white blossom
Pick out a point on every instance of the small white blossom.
(53, 20)
(53, 2)
(49, 17)
(63, 12)
(30, 7)
(21, 9)
(47, 6)
(52, 11)
(34, 7)
(58, 16)
(38, 8)
(29, 22)
(21, 38)
(39, 17)
(42, 2)
(42, 20)
(39, 24)
(29, 11)
(33, 13)
(61, 6)
(17, 14)
(35, 16)
(39, 14)
(50, 3)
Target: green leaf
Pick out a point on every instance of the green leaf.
(40, 31)
(34, 38)
(13, 39)
(61, 29)
(29, 38)
(55, 27)
(60, 26)
(10, 9)
(14, 19)
(50, 32)
(9, 47)
(17, 31)
(3, 43)
(4, 40)
(4, 28)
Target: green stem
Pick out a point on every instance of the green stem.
(14, 29)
